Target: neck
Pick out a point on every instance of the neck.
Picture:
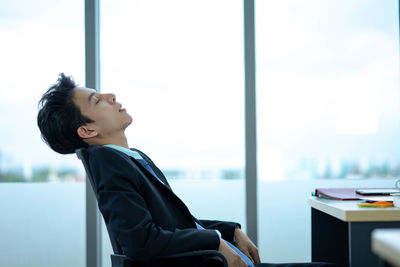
(120, 142)
(117, 139)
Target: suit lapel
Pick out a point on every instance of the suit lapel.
(164, 185)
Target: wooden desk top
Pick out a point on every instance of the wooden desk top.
(386, 244)
(348, 211)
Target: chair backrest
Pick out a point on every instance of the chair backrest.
(83, 155)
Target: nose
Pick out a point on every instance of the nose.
(110, 98)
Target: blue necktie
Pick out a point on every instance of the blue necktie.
(147, 167)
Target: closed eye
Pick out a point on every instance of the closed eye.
(96, 99)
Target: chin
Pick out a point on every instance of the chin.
(129, 120)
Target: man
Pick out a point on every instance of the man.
(146, 217)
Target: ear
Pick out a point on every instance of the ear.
(86, 132)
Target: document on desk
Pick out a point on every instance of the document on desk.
(337, 193)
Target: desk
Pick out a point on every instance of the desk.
(386, 244)
(341, 231)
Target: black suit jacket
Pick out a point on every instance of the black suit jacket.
(147, 219)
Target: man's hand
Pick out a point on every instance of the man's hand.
(231, 256)
(244, 244)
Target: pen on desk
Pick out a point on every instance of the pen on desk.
(375, 204)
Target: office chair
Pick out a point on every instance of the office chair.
(120, 260)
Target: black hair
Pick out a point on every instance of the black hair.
(59, 118)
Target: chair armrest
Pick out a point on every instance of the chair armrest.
(211, 253)
(118, 260)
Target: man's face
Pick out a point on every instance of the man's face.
(108, 115)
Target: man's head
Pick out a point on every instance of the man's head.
(71, 117)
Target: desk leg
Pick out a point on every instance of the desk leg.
(344, 243)
(329, 239)
(360, 253)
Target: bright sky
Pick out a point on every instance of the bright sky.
(325, 69)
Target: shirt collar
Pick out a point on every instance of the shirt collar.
(125, 150)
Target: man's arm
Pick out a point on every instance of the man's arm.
(227, 229)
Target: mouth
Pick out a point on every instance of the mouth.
(121, 109)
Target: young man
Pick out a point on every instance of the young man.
(148, 220)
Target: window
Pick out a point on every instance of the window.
(327, 89)
(37, 44)
(39, 39)
(328, 110)
(177, 66)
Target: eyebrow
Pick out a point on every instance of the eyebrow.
(91, 96)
